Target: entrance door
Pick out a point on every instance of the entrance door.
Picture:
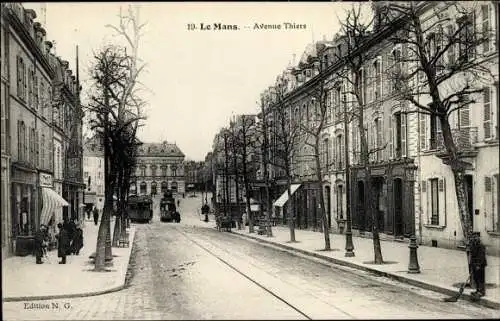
(470, 198)
(398, 207)
(328, 205)
(360, 206)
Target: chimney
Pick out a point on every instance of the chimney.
(48, 47)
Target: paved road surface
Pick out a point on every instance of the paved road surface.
(184, 271)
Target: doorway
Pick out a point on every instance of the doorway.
(360, 206)
(470, 198)
(398, 207)
(328, 205)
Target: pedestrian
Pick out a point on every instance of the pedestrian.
(96, 215)
(40, 244)
(178, 203)
(88, 214)
(478, 264)
(77, 240)
(71, 235)
(62, 243)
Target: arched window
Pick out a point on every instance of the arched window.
(143, 188)
(164, 187)
(153, 188)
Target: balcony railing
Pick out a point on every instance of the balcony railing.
(464, 138)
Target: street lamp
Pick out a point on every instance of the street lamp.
(349, 246)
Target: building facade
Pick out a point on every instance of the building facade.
(412, 188)
(160, 167)
(29, 192)
(93, 173)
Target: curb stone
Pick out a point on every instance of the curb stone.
(436, 288)
(74, 295)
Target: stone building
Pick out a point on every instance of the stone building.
(28, 76)
(160, 167)
(93, 173)
(412, 187)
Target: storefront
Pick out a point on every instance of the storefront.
(391, 190)
(23, 208)
(51, 204)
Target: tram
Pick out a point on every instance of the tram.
(168, 210)
(140, 208)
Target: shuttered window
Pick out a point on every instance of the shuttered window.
(434, 203)
(486, 27)
(401, 135)
(451, 57)
(423, 131)
(391, 138)
(464, 116)
(487, 112)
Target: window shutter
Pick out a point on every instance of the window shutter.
(391, 137)
(486, 16)
(487, 112)
(18, 69)
(37, 154)
(403, 135)
(423, 131)
(442, 200)
(451, 50)
(19, 145)
(487, 184)
(465, 116)
(424, 186)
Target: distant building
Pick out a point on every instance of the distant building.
(93, 173)
(160, 167)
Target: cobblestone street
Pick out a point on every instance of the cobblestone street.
(191, 271)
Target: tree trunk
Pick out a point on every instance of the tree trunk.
(117, 230)
(291, 211)
(377, 249)
(319, 177)
(103, 248)
(365, 159)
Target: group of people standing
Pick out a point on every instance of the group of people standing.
(69, 240)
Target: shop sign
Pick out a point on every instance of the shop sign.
(45, 180)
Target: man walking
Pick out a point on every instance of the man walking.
(478, 264)
(96, 215)
(40, 244)
(62, 243)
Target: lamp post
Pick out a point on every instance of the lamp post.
(349, 246)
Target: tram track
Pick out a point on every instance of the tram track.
(255, 280)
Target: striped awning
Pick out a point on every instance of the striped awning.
(51, 201)
(284, 197)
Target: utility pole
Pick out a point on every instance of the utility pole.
(226, 182)
(265, 155)
(349, 246)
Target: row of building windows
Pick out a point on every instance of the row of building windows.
(32, 148)
(31, 89)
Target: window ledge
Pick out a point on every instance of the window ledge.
(437, 227)
(493, 233)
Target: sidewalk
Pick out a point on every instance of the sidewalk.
(25, 280)
(440, 269)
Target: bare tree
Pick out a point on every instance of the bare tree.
(265, 112)
(446, 62)
(355, 30)
(117, 107)
(244, 141)
(314, 129)
(287, 134)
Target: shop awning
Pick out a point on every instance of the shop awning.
(284, 197)
(254, 207)
(51, 200)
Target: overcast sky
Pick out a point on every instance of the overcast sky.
(196, 79)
